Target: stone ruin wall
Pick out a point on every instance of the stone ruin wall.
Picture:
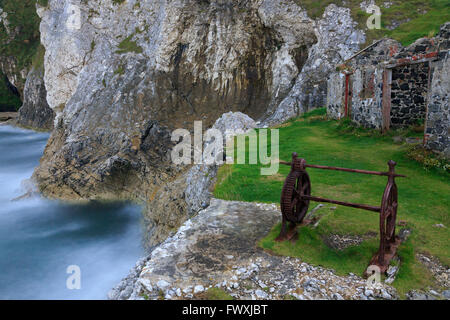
(367, 98)
(438, 121)
(335, 96)
(414, 85)
(409, 94)
(366, 86)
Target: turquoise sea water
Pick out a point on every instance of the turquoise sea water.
(40, 239)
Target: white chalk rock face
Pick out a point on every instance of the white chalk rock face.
(121, 77)
(66, 48)
(337, 39)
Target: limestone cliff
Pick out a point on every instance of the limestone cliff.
(121, 75)
(129, 73)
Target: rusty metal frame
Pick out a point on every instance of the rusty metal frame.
(296, 196)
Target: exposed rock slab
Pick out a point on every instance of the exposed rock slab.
(7, 116)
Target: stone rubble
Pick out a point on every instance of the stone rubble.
(440, 272)
(340, 242)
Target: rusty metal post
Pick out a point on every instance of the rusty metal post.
(386, 100)
(389, 242)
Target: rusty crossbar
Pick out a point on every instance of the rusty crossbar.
(376, 173)
(346, 204)
(296, 196)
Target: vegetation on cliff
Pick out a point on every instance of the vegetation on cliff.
(402, 20)
(24, 25)
(423, 198)
(22, 42)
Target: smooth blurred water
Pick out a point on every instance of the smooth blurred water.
(39, 239)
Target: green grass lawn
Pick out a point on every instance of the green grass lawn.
(421, 25)
(424, 198)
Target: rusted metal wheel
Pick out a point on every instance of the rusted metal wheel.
(388, 216)
(389, 242)
(293, 206)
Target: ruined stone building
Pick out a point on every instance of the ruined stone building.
(387, 86)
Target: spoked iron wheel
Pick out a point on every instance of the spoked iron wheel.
(389, 242)
(388, 217)
(293, 206)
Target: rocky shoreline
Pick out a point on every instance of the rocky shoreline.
(7, 117)
(217, 248)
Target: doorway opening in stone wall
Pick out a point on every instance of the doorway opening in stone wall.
(409, 96)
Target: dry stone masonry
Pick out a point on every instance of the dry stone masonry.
(438, 116)
(409, 94)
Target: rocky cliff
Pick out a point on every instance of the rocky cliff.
(121, 75)
(35, 111)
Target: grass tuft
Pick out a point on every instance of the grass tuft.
(215, 294)
(128, 45)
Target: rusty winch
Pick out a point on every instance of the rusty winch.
(296, 196)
